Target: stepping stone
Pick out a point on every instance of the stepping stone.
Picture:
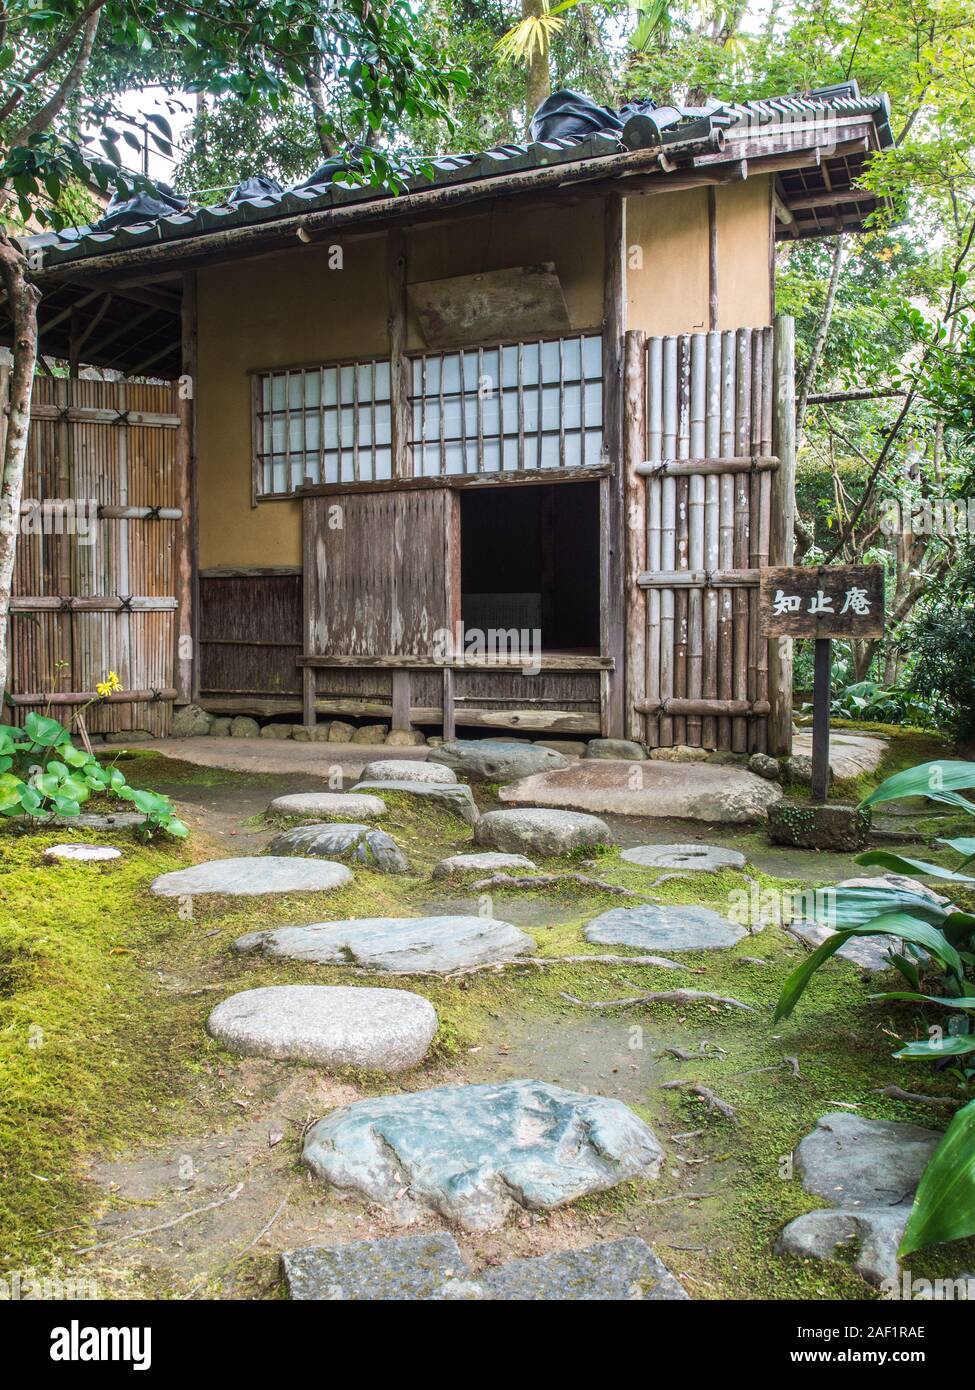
(385, 1030)
(81, 854)
(328, 804)
(458, 798)
(705, 858)
(100, 820)
(664, 928)
(541, 832)
(492, 760)
(249, 876)
(868, 1169)
(474, 1154)
(361, 844)
(400, 945)
(406, 770)
(397, 1268)
(616, 748)
(432, 1268)
(869, 952)
(489, 862)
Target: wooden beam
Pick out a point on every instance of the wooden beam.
(527, 477)
(782, 532)
(634, 447)
(613, 489)
(399, 363)
(712, 260)
(830, 197)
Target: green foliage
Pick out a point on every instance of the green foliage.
(43, 774)
(939, 941)
(940, 645)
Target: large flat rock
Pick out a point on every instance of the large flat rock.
(458, 798)
(688, 791)
(250, 876)
(488, 862)
(335, 1026)
(869, 952)
(432, 1268)
(849, 754)
(314, 804)
(400, 945)
(408, 770)
(701, 858)
(541, 831)
(491, 760)
(81, 854)
(664, 928)
(474, 1154)
(357, 844)
(868, 1170)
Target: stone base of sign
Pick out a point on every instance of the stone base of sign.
(809, 825)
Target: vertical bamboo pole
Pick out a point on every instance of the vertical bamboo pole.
(186, 675)
(668, 536)
(711, 729)
(634, 447)
(655, 365)
(743, 682)
(696, 522)
(782, 532)
(613, 542)
(764, 438)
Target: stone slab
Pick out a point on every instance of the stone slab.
(345, 804)
(397, 1268)
(443, 945)
(849, 754)
(251, 876)
(664, 928)
(692, 791)
(81, 854)
(458, 799)
(491, 760)
(541, 831)
(489, 862)
(408, 770)
(701, 858)
(335, 1026)
(475, 1154)
(612, 1270)
(869, 952)
(358, 844)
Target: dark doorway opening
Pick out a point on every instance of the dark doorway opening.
(529, 559)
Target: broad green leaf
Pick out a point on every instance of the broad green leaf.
(48, 733)
(928, 779)
(962, 1002)
(841, 908)
(958, 927)
(65, 806)
(76, 757)
(11, 790)
(914, 868)
(941, 1047)
(890, 924)
(964, 845)
(944, 1205)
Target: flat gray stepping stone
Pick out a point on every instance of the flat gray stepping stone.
(664, 928)
(335, 1025)
(474, 1154)
(81, 854)
(541, 831)
(488, 862)
(360, 844)
(869, 952)
(706, 858)
(432, 1268)
(492, 760)
(406, 1268)
(868, 1170)
(401, 945)
(328, 804)
(616, 748)
(614, 1270)
(457, 798)
(252, 875)
(408, 770)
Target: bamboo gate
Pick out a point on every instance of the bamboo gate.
(710, 479)
(104, 455)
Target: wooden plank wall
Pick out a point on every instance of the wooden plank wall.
(250, 635)
(112, 444)
(709, 399)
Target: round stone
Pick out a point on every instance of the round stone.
(541, 831)
(250, 876)
(401, 945)
(334, 1025)
(360, 844)
(407, 770)
(705, 858)
(488, 862)
(494, 760)
(82, 854)
(664, 928)
(350, 805)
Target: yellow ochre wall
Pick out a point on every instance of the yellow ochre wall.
(291, 309)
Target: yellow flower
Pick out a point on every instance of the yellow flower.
(109, 684)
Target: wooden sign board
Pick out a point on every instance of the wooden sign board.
(841, 601)
(525, 301)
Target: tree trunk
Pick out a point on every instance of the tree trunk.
(819, 341)
(22, 302)
(538, 83)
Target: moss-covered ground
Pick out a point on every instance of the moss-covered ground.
(104, 1058)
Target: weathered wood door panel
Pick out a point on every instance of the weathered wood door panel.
(380, 572)
(700, 518)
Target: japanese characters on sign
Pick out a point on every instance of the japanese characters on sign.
(828, 601)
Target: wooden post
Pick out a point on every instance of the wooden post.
(186, 671)
(401, 701)
(399, 365)
(822, 649)
(613, 508)
(782, 533)
(712, 260)
(634, 449)
(448, 703)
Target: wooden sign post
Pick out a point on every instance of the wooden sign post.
(823, 603)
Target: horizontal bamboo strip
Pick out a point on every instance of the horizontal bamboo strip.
(676, 706)
(699, 579)
(84, 697)
(510, 661)
(94, 415)
(680, 468)
(55, 603)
